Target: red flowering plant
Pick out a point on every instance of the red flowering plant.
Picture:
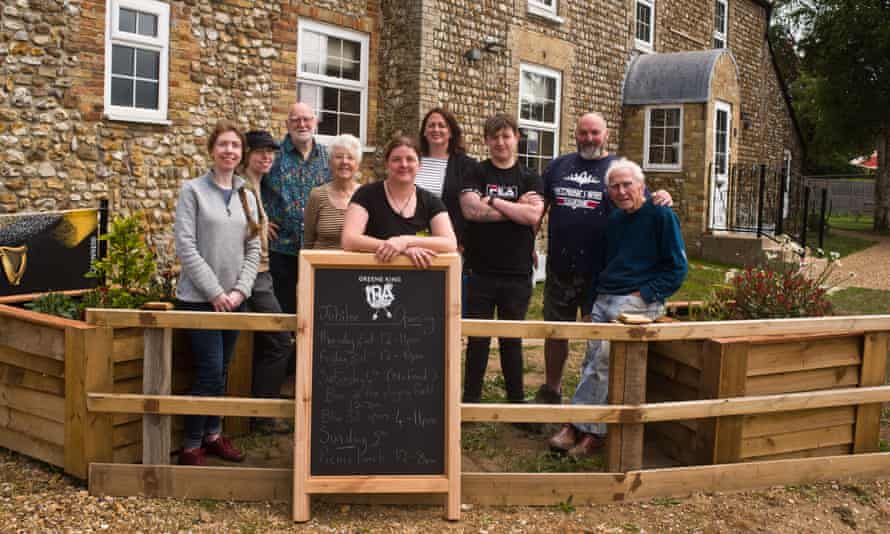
(780, 290)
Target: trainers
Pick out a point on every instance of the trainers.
(191, 456)
(587, 446)
(563, 440)
(224, 449)
(547, 395)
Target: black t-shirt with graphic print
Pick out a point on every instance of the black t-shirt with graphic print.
(501, 248)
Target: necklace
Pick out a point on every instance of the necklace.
(393, 204)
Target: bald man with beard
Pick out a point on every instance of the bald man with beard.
(577, 199)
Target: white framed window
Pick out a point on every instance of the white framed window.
(546, 9)
(644, 25)
(663, 139)
(721, 23)
(332, 77)
(539, 97)
(137, 44)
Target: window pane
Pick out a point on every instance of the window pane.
(146, 95)
(529, 142)
(350, 102)
(330, 99)
(350, 124)
(122, 60)
(332, 66)
(147, 63)
(332, 62)
(550, 112)
(547, 143)
(351, 70)
(121, 92)
(310, 52)
(310, 95)
(127, 20)
(148, 24)
(351, 51)
(327, 123)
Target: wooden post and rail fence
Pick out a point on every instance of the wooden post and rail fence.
(859, 397)
(626, 411)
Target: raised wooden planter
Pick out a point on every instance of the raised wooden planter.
(753, 366)
(47, 364)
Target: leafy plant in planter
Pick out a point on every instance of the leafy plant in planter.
(55, 304)
(128, 270)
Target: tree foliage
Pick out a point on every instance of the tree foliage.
(844, 88)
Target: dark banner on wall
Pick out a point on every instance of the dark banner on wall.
(50, 251)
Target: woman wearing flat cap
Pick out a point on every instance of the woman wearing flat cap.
(271, 349)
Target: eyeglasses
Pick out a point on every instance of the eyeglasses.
(298, 120)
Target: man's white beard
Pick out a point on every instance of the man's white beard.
(591, 152)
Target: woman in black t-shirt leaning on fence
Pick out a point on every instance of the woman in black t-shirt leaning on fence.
(394, 216)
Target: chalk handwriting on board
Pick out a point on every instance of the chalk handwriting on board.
(378, 383)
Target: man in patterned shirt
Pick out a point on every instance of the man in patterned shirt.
(301, 165)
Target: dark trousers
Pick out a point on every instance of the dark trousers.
(284, 271)
(283, 268)
(509, 296)
(211, 353)
(270, 349)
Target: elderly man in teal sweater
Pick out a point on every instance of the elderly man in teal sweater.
(645, 264)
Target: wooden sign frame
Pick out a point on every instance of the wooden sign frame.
(305, 484)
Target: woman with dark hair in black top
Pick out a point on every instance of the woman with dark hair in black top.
(445, 163)
(394, 216)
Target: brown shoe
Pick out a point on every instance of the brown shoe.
(224, 449)
(564, 439)
(587, 446)
(191, 456)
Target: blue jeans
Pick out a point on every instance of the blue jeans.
(211, 352)
(594, 385)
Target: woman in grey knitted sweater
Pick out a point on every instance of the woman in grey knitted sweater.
(217, 242)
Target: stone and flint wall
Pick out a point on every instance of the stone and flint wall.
(236, 59)
(230, 59)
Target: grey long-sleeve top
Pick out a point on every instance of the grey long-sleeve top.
(212, 240)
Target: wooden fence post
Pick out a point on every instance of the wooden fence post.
(157, 374)
(89, 368)
(866, 437)
(719, 439)
(627, 385)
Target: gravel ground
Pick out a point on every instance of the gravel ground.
(38, 498)
(871, 266)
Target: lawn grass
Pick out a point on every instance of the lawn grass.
(700, 280)
(842, 244)
(860, 301)
(851, 222)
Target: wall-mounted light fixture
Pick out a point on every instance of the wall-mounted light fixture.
(489, 44)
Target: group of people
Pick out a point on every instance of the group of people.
(239, 229)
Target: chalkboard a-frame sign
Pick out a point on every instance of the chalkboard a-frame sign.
(378, 378)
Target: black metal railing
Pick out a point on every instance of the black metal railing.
(755, 200)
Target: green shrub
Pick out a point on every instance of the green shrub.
(55, 304)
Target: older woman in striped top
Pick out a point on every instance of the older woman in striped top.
(326, 209)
